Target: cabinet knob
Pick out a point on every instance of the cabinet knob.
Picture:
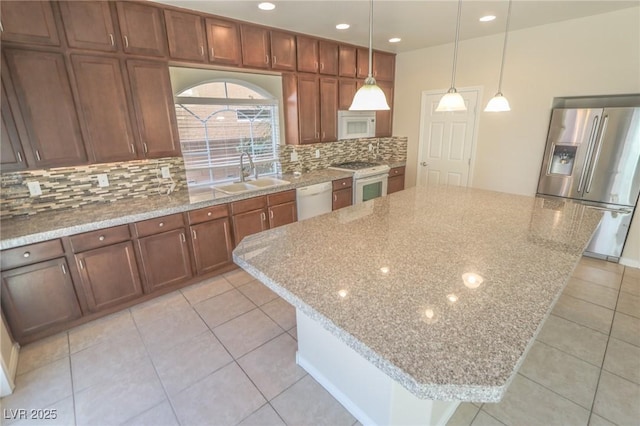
(26, 254)
(209, 214)
(161, 224)
(101, 237)
(344, 183)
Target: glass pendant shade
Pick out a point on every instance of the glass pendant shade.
(369, 97)
(498, 104)
(451, 101)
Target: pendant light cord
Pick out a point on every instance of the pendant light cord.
(370, 41)
(504, 48)
(455, 49)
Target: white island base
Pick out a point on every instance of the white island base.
(367, 393)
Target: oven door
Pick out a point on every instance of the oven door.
(369, 188)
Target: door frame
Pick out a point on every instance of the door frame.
(474, 138)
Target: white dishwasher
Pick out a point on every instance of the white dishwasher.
(314, 200)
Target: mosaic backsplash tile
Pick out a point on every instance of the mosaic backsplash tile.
(72, 187)
(393, 148)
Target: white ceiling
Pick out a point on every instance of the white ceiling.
(420, 23)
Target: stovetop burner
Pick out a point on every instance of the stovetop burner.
(355, 165)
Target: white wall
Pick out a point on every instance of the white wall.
(597, 55)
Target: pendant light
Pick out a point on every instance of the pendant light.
(369, 97)
(499, 103)
(452, 100)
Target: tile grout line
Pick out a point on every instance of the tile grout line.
(73, 392)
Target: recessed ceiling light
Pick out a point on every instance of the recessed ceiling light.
(342, 26)
(395, 40)
(487, 18)
(266, 6)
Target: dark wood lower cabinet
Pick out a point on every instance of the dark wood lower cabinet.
(37, 297)
(109, 275)
(282, 214)
(164, 259)
(211, 244)
(248, 223)
(342, 198)
(396, 180)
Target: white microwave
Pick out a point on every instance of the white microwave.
(356, 124)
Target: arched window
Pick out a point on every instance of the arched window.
(219, 120)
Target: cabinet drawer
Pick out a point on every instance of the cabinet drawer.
(158, 225)
(342, 183)
(209, 213)
(249, 204)
(100, 238)
(396, 171)
(32, 253)
(281, 197)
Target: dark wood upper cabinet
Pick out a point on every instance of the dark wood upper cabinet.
(283, 51)
(328, 109)
(154, 108)
(307, 54)
(52, 127)
(29, 22)
(11, 154)
(309, 108)
(256, 50)
(384, 118)
(347, 89)
(141, 28)
(88, 25)
(347, 61)
(328, 55)
(185, 32)
(108, 133)
(384, 65)
(362, 62)
(223, 38)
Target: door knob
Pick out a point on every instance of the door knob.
(424, 164)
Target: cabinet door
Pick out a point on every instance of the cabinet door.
(307, 53)
(255, 46)
(248, 223)
(142, 28)
(283, 51)
(223, 38)
(104, 109)
(88, 25)
(282, 214)
(362, 60)
(384, 65)
(11, 155)
(328, 109)
(308, 108)
(154, 109)
(165, 259)
(109, 275)
(29, 22)
(347, 61)
(211, 243)
(186, 36)
(328, 55)
(342, 198)
(347, 89)
(384, 118)
(37, 297)
(395, 184)
(52, 126)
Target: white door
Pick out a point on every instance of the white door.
(446, 141)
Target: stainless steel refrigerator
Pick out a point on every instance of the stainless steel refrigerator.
(593, 156)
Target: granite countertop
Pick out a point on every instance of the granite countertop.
(386, 278)
(45, 226)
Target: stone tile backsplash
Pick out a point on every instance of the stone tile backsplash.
(72, 187)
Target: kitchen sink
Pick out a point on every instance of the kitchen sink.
(252, 185)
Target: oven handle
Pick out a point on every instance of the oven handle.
(373, 178)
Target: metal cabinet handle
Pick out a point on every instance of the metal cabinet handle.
(193, 232)
(19, 157)
(321, 65)
(126, 41)
(133, 149)
(1, 27)
(263, 216)
(101, 237)
(335, 197)
(80, 263)
(113, 43)
(275, 60)
(64, 270)
(38, 155)
(161, 224)
(213, 53)
(271, 214)
(266, 59)
(26, 254)
(146, 148)
(201, 50)
(182, 237)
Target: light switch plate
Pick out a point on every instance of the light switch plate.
(317, 153)
(103, 180)
(166, 173)
(294, 155)
(34, 188)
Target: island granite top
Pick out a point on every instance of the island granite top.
(386, 278)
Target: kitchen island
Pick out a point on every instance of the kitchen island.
(411, 303)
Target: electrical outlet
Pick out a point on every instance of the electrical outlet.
(103, 180)
(317, 153)
(370, 147)
(166, 173)
(34, 188)
(294, 155)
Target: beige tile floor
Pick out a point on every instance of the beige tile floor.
(222, 352)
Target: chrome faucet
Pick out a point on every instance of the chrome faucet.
(244, 174)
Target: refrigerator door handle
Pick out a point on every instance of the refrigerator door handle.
(594, 163)
(587, 157)
(613, 210)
